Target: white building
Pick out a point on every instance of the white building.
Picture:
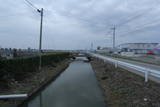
(140, 48)
(109, 50)
(6, 53)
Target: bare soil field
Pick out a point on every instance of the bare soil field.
(125, 89)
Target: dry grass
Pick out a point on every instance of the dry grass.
(125, 89)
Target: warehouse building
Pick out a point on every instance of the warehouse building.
(137, 48)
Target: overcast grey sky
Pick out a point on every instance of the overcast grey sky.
(74, 24)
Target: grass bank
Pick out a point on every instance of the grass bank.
(33, 79)
(125, 89)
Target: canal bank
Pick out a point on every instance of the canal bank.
(75, 87)
(35, 82)
(123, 88)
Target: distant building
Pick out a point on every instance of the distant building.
(109, 50)
(155, 51)
(12, 53)
(6, 53)
(139, 48)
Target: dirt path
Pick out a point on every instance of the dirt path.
(125, 89)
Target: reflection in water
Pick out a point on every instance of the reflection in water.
(75, 87)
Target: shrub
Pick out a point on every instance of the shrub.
(21, 66)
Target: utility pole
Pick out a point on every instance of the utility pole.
(91, 46)
(114, 34)
(41, 28)
(40, 39)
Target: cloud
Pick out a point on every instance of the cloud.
(75, 24)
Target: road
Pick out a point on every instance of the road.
(135, 67)
(151, 66)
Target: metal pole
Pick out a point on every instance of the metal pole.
(40, 41)
(146, 76)
(116, 64)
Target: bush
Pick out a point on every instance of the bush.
(20, 66)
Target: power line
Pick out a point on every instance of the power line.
(136, 16)
(130, 20)
(148, 24)
(138, 29)
(31, 5)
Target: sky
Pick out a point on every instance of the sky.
(76, 24)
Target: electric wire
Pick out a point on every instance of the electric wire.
(139, 29)
(33, 6)
(134, 17)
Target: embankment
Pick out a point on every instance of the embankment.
(125, 89)
(21, 75)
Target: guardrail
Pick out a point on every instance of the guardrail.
(145, 70)
(13, 96)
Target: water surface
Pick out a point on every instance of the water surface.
(75, 87)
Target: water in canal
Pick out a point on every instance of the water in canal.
(75, 87)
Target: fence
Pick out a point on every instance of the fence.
(12, 96)
(147, 71)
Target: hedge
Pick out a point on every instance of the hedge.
(22, 65)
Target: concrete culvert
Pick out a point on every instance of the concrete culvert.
(89, 58)
(103, 78)
(73, 58)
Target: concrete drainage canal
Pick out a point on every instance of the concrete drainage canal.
(75, 87)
